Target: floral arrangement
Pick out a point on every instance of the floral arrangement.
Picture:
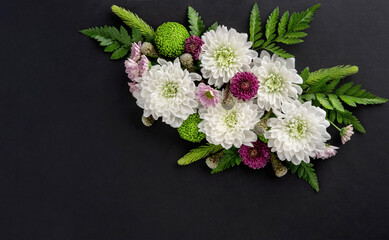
(238, 92)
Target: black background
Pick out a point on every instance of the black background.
(77, 163)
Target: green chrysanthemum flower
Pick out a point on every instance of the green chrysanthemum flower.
(189, 130)
(170, 39)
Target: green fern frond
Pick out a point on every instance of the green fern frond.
(115, 41)
(306, 172)
(196, 25)
(271, 25)
(337, 72)
(277, 50)
(255, 28)
(213, 26)
(199, 153)
(230, 159)
(133, 21)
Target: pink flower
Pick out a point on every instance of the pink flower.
(133, 86)
(346, 133)
(136, 66)
(329, 152)
(143, 65)
(244, 85)
(206, 95)
(193, 46)
(257, 156)
(135, 51)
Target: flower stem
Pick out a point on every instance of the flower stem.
(333, 124)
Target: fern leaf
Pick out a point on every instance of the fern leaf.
(133, 21)
(230, 159)
(112, 39)
(255, 27)
(136, 35)
(213, 27)
(271, 25)
(306, 172)
(324, 101)
(331, 86)
(338, 72)
(119, 53)
(199, 153)
(318, 86)
(282, 24)
(334, 100)
(300, 21)
(277, 50)
(344, 88)
(349, 118)
(112, 47)
(196, 25)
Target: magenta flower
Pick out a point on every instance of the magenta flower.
(257, 156)
(346, 133)
(193, 46)
(244, 85)
(206, 95)
(329, 152)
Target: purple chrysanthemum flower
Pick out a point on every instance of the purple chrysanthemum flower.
(244, 85)
(193, 46)
(257, 156)
(206, 95)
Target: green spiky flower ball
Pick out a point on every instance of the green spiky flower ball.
(170, 39)
(190, 131)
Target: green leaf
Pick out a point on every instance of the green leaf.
(306, 172)
(196, 25)
(255, 27)
(338, 72)
(317, 87)
(112, 47)
(331, 86)
(348, 100)
(344, 88)
(334, 100)
(323, 101)
(332, 116)
(199, 153)
(282, 24)
(305, 74)
(133, 21)
(213, 27)
(230, 159)
(348, 118)
(114, 40)
(277, 50)
(300, 21)
(136, 35)
(119, 53)
(271, 25)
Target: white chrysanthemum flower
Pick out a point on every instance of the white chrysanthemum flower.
(278, 80)
(224, 53)
(230, 127)
(298, 132)
(167, 91)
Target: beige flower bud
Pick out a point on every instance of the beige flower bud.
(149, 50)
(186, 60)
(279, 169)
(148, 121)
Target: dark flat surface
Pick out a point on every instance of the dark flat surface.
(77, 163)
